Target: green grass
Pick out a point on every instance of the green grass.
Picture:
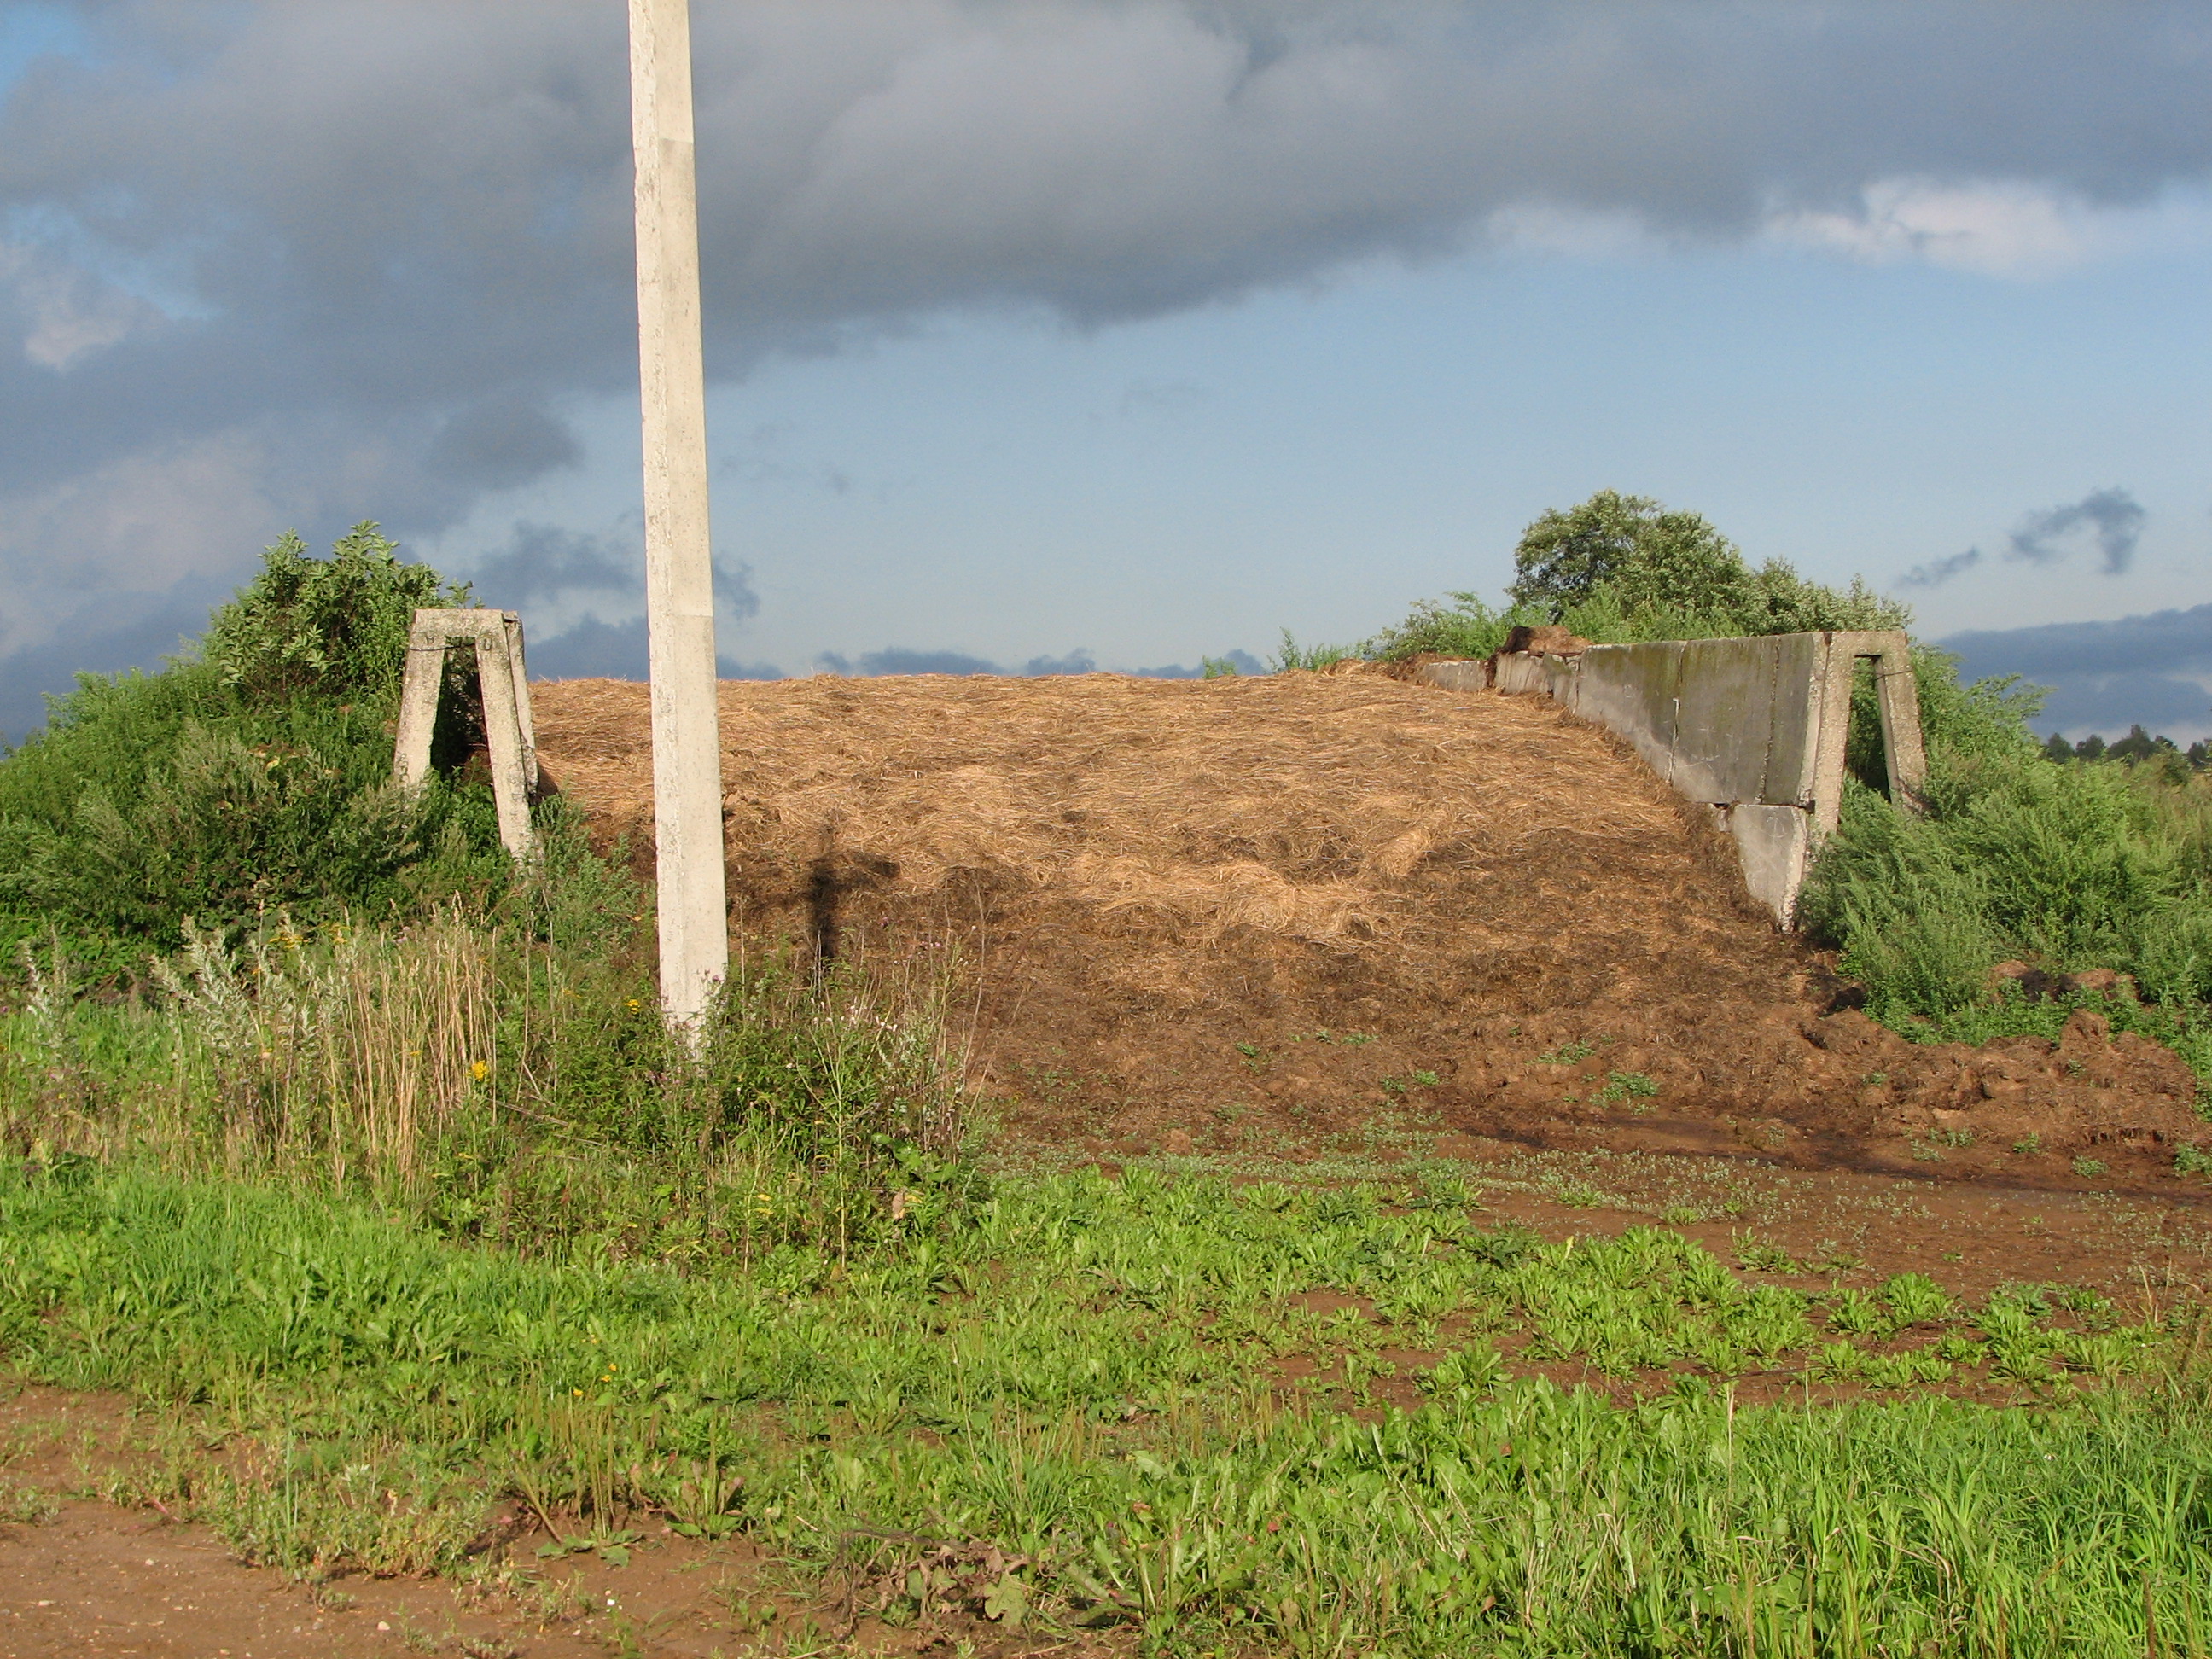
(1078, 1371)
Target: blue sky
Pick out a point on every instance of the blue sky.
(1142, 329)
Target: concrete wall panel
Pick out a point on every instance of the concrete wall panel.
(1794, 740)
(1773, 844)
(1632, 689)
(1724, 722)
(1468, 676)
(1517, 674)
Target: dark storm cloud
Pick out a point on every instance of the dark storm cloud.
(595, 650)
(101, 638)
(502, 443)
(417, 214)
(2111, 703)
(2112, 519)
(1936, 572)
(2106, 675)
(542, 562)
(900, 659)
(2163, 641)
(283, 264)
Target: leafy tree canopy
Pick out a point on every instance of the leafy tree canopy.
(1630, 557)
(336, 626)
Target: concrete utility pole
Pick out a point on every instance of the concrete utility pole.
(679, 578)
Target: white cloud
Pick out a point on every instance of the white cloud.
(1995, 227)
(134, 525)
(65, 313)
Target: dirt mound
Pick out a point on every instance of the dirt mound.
(1274, 913)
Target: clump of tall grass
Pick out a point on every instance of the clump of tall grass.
(459, 1069)
(359, 1048)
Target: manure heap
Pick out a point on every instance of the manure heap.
(1304, 912)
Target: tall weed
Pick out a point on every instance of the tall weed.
(498, 1086)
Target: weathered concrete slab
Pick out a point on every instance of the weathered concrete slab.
(1516, 674)
(1724, 701)
(1793, 736)
(1467, 674)
(1632, 689)
(1774, 844)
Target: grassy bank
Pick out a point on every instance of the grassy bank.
(1128, 1390)
(493, 1079)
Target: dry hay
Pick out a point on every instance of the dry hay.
(1152, 873)
(1292, 806)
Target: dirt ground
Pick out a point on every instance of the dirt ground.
(1254, 916)
(1244, 924)
(79, 1576)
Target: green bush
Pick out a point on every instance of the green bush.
(1618, 569)
(250, 777)
(1913, 923)
(333, 628)
(1655, 574)
(2069, 866)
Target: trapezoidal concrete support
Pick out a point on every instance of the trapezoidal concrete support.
(508, 734)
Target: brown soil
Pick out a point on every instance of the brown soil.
(1266, 913)
(79, 1576)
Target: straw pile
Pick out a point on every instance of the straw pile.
(1209, 911)
(1294, 807)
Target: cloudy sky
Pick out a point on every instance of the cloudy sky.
(1048, 332)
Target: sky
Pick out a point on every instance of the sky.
(1046, 334)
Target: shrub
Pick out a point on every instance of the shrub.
(250, 777)
(335, 628)
(1618, 569)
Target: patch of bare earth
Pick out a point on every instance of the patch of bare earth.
(1265, 914)
(82, 1575)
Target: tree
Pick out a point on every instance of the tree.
(2137, 746)
(1650, 568)
(337, 626)
(2058, 749)
(1646, 555)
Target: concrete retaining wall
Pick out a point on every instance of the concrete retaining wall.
(1754, 729)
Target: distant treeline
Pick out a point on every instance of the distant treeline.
(2137, 746)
